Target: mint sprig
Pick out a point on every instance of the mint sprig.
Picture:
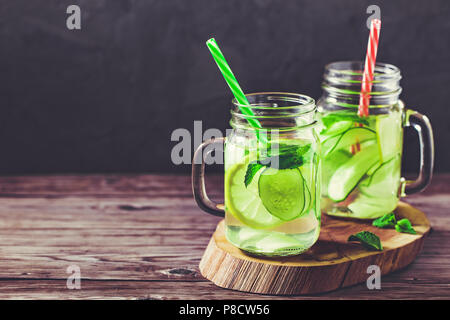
(282, 156)
(389, 221)
(386, 221)
(368, 239)
(405, 226)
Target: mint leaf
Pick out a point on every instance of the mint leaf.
(285, 156)
(368, 239)
(405, 226)
(282, 156)
(386, 221)
(252, 169)
(281, 149)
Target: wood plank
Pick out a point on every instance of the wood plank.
(103, 185)
(102, 213)
(148, 228)
(161, 290)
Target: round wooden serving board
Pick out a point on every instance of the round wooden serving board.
(330, 264)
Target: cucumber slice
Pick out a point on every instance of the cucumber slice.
(389, 135)
(337, 128)
(333, 161)
(373, 169)
(384, 181)
(370, 208)
(347, 176)
(329, 144)
(349, 137)
(282, 192)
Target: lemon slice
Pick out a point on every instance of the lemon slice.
(244, 202)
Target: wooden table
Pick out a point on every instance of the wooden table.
(142, 237)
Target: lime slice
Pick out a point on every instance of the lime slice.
(347, 176)
(283, 192)
(244, 203)
(388, 135)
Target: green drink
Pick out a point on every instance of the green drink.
(272, 170)
(278, 212)
(361, 155)
(272, 186)
(361, 163)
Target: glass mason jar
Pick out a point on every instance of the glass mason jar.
(272, 175)
(361, 156)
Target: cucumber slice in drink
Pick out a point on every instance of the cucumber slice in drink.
(389, 135)
(384, 180)
(347, 176)
(329, 144)
(282, 192)
(333, 161)
(348, 138)
(370, 208)
(337, 128)
(373, 169)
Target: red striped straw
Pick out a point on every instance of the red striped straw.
(369, 66)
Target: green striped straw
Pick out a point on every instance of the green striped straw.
(234, 86)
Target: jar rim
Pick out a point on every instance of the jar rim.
(275, 107)
(383, 71)
(299, 101)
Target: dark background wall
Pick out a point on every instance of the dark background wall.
(106, 98)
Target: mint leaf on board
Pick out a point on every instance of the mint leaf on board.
(252, 169)
(368, 239)
(386, 221)
(405, 226)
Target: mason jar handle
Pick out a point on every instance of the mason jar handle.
(423, 127)
(198, 180)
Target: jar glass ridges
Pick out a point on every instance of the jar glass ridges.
(272, 189)
(361, 156)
